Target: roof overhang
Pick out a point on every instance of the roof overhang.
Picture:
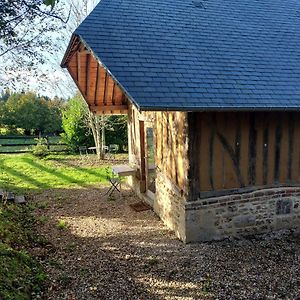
(101, 91)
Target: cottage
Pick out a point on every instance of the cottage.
(212, 93)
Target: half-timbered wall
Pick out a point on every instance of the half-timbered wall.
(172, 146)
(241, 150)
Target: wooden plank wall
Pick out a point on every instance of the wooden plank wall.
(99, 89)
(171, 146)
(244, 149)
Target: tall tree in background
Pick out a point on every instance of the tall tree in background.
(33, 113)
(97, 124)
(74, 124)
(28, 37)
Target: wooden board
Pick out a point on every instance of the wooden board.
(248, 149)
(95, 84)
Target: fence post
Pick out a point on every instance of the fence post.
(47, 142)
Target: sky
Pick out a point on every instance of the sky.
(46, 78)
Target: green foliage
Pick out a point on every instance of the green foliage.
(76, 133)
(33, 113)
(117, 132)
(27, 40)
(40, 149)
(61, 224)
(206, 285)
(21, 277)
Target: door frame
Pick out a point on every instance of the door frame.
(144, 156)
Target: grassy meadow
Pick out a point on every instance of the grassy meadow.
(23, 173)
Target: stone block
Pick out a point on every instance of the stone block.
(244, 221)
(284, 206)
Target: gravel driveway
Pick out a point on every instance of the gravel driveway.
(104, 250)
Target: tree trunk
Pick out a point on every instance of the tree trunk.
(102, 136)
(94, 124)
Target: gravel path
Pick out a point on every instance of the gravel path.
(104, 250)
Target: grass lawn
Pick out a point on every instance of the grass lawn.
(23, 173)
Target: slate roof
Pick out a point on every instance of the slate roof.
(200, 55)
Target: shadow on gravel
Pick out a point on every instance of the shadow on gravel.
(108, 251)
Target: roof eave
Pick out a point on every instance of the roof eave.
(216, 109)
(64, 61)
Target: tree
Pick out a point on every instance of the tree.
(5, 95)
(74, 124)
(117, 131)
(28, 38)
(31, 112)
(16, 14)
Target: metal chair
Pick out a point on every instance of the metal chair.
(83, 150)
(110, 151)
(115, 183)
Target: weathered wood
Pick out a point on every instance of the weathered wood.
(194, 127)
(211, 151)
(142, 157)
(259, 127)
(252, 150)
(271, 148)
(296, 150)
(265, 148)
(218, 156)
(232, 176)
(244, 155)
(291, 129)
(284, 149)
(203, 151)
(278, 138)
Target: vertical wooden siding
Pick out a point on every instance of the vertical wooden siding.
(101, 92)
(244, 149)
(171, 146)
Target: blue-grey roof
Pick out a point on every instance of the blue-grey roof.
(200, 55)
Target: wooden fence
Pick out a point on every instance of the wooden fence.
(23, 144)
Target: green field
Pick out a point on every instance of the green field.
(24, 173)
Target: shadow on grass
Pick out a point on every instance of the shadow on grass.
(53, 172)
(21, 176)
(29, 175)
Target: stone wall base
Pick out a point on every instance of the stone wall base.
(244, 214)
(217, 218)
(169, 204)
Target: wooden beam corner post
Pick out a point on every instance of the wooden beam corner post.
(143, 157)
(193, 156)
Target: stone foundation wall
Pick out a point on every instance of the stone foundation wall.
(243, 214)
(169, 204)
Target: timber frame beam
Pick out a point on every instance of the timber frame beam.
(101, 92)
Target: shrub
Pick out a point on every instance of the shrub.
(40, 149)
